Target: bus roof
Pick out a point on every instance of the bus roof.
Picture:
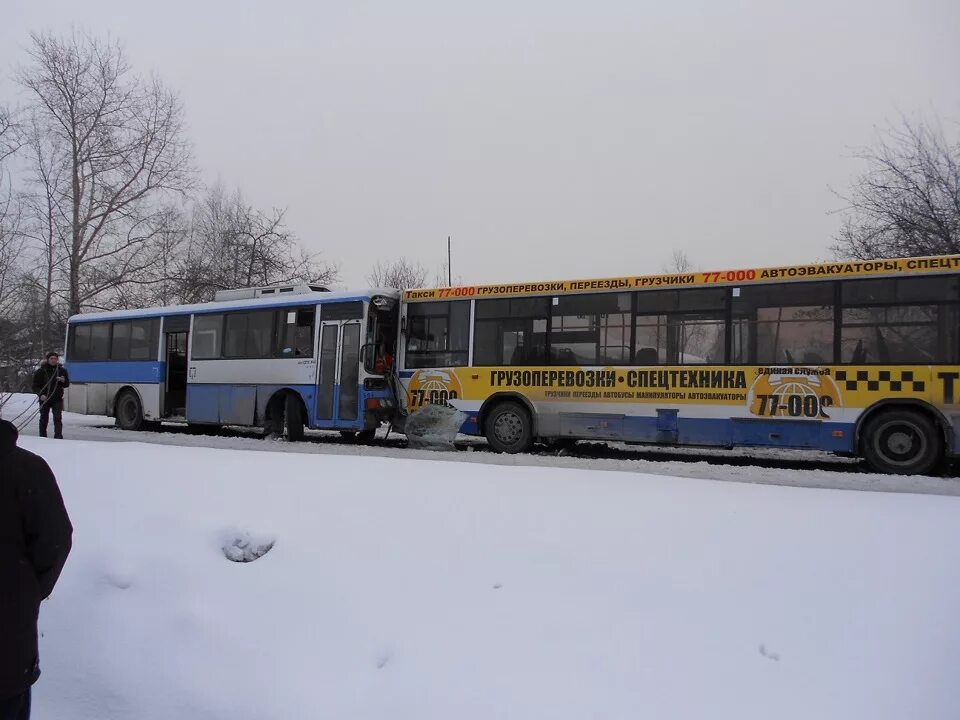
(822, 271)
(270, 301)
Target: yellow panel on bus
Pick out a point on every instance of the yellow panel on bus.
(783, 392)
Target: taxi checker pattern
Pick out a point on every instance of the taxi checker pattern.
(880, 380)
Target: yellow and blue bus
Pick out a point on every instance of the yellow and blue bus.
(856, 358)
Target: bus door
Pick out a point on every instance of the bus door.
(338, 386)
(176, 330)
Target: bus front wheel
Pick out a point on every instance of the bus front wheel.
(509, 428)
(293, 417)
(902, 442)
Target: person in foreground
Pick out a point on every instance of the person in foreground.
(49, 381)
(35, 539)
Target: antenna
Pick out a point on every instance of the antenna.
(449, 269)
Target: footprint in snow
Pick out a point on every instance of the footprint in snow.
(769, 654)
(121, 582)
(117, 577)
(242, 547)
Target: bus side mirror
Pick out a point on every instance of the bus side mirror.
(403, 325)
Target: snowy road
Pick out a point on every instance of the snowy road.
(768, 467)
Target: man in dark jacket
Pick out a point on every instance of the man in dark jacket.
(49, 381)
(35, 538)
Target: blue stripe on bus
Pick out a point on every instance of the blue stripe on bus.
(143, 372)
(236, 403)
(750, 432)
(718, 432)
(233, 404)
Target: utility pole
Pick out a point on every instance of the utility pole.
(449, 269)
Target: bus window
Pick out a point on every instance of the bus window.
(248, 335)
(234, 335)
(120, 348)
(207, 337)
(100, 341)
(295, 332)
(438, 334)
(510, 331)
(899, 320)
(899, 334)
(695, 339)
(143, 339)
(869, 292)
(591, 329)
(651, 339)
(927, 289)
(79, 349)
(674, 327)
(783, 324)
(890, 291)
(260, 334)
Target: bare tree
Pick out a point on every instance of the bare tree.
(10, 137)
(121, 152)
(402, 274)
(232, 245)
(679, 263)
(46, 225)
(11, 235)
(11, 249)
(907, 201)
(172, 245)
(441, 277)
(11, 252)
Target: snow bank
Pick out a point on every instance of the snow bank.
(413, 589)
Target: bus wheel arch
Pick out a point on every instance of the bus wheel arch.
(906, 437)
(128, 409)
(285, 413)
(513, 411)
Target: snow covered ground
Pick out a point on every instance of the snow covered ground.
(406, 588)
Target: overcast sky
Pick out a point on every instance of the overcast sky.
(550, 139)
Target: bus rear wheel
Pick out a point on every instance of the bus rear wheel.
(508, 428)
(129, 413)
(902, 442)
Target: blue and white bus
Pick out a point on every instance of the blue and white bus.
(280, 358)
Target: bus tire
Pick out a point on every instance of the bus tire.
(293, 417)
(129, 411)
(508, 428)
(901, 442)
